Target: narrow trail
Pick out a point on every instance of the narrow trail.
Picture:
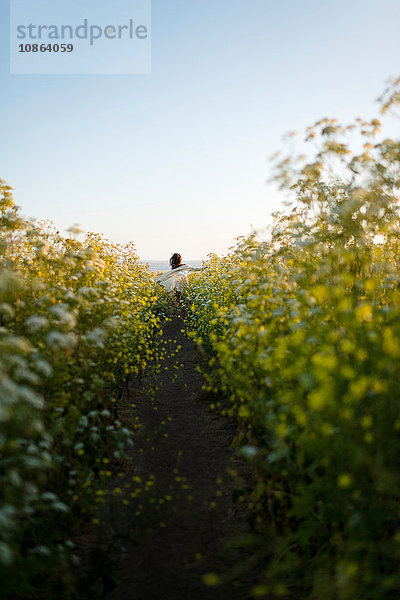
(175, 536)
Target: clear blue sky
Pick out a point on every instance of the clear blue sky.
(177, 160)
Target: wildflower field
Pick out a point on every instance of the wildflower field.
(300, 332)
(298, 338)
(77, 320)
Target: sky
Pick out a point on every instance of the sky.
(177, 160)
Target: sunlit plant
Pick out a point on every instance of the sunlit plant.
(302, 334)
(77, 320)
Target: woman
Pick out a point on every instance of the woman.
(180, 278)
(175, 280)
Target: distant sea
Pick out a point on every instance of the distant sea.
(163, 265)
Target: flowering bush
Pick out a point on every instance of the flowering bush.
(76, 320)
(302, 331)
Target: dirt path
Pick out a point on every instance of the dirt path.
(173, 537)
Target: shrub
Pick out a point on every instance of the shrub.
(302, 331)
(76, 320)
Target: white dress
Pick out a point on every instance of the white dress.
(176, 279)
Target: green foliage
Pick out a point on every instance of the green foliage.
(76, 320)
(302, 331)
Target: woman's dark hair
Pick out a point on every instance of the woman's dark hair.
(175, 260)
